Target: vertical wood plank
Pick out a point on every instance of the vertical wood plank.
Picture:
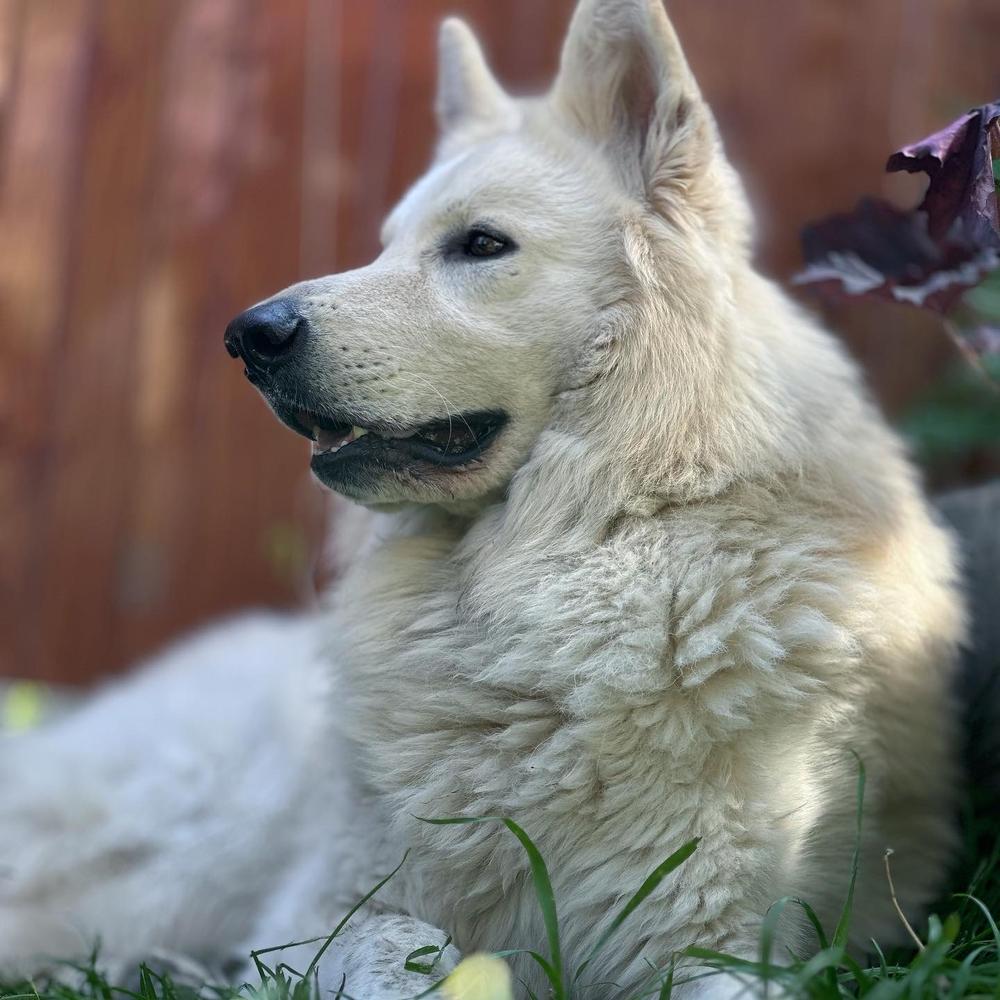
(12, 24)
(222, 506)
(322, 101)
(86, 461)
(43, 133)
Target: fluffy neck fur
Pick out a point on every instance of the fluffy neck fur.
(728, 398)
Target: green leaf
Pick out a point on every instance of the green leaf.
(425, 968)
(652, 881)
(541, 960)
(994, 930)
(718, 959)
(668, 984)
(543, 892)
(769, 929)
(825, 960)
(546, 902)
(768, 932)
(844, 924)
(350, 913)
(960, 983)
(860, 976)
(882, 964)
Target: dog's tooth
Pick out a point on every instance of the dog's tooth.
(315, 432)
(358, 432)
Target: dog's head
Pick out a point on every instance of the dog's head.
(513, 272)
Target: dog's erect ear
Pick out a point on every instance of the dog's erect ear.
(624, 82)
(468, 93)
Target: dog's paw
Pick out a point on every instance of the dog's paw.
(368, 960)
(376, 959)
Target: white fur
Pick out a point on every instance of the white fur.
(692, 575)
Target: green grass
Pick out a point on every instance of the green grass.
(958, 956)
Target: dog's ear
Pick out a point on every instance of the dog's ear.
(624, 82)
(468, 93)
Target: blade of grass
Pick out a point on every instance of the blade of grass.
(425, 968)
(652, 881)
(327, 939)
(769, 927)
(350, 913)
(987, 914)
(883, 965)
(860, 976)
(653, 983)
(815, 921)
(963, 975)
(827, 959)
(543, 892)
(542, 961)
(844, 923)
(668, 984)
(720, 958)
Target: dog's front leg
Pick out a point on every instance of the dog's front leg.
(373, 964)
(367, 959)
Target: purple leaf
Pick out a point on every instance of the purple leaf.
(930, 255)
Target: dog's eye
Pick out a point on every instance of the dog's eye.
(479, 243)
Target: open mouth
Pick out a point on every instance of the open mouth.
(452, 441)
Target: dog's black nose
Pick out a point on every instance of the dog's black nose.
(266, 334)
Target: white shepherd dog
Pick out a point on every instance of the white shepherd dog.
(645, 565)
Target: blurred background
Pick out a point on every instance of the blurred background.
(166, 163)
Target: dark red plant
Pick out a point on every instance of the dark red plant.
(931, 255)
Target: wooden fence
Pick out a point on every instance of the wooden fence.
(164, 163)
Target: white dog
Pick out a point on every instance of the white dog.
(647, 566)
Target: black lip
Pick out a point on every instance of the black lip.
(288, 415)
(381, 448)
(389, 453)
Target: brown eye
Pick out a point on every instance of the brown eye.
(482, 244)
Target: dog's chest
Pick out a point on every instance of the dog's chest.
(548, 707)
(453, 715)
(421, 664)
(582, 703)
(426, 641)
